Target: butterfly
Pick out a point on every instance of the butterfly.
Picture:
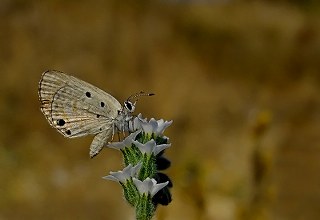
(76, 108)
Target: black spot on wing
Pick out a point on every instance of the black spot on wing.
(88, 94)
(60, 122)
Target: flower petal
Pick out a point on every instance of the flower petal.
(149, 186)
(149, 127)
(147, 147)
(135, 124)
(151, 147)
(125, 174)
(162, 125)
(160, 148)
(110, 177)
(154, 126)
(126, 142)
(158, 187)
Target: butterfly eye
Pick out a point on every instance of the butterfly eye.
(129, 106)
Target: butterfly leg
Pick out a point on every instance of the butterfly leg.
(113, 129)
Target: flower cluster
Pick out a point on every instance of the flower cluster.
(143, 184)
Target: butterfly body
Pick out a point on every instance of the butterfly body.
(76, 108)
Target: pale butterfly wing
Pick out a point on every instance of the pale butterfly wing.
(76, 108)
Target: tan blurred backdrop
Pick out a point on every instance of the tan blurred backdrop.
(240, 79)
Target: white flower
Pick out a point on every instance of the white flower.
(155, 126)
(122, 176)
(125, 143)
(149, 186)
(135, 124)
(152, 126)
(151, 147)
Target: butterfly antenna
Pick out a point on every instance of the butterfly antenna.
(136, 96)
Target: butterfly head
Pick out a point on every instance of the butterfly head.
(130, 103)
(129, 106)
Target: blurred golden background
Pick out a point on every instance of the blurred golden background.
(240, 79)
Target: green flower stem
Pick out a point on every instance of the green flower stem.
(145, 208)
(131, 155)
(130, 192)
(148, 168)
